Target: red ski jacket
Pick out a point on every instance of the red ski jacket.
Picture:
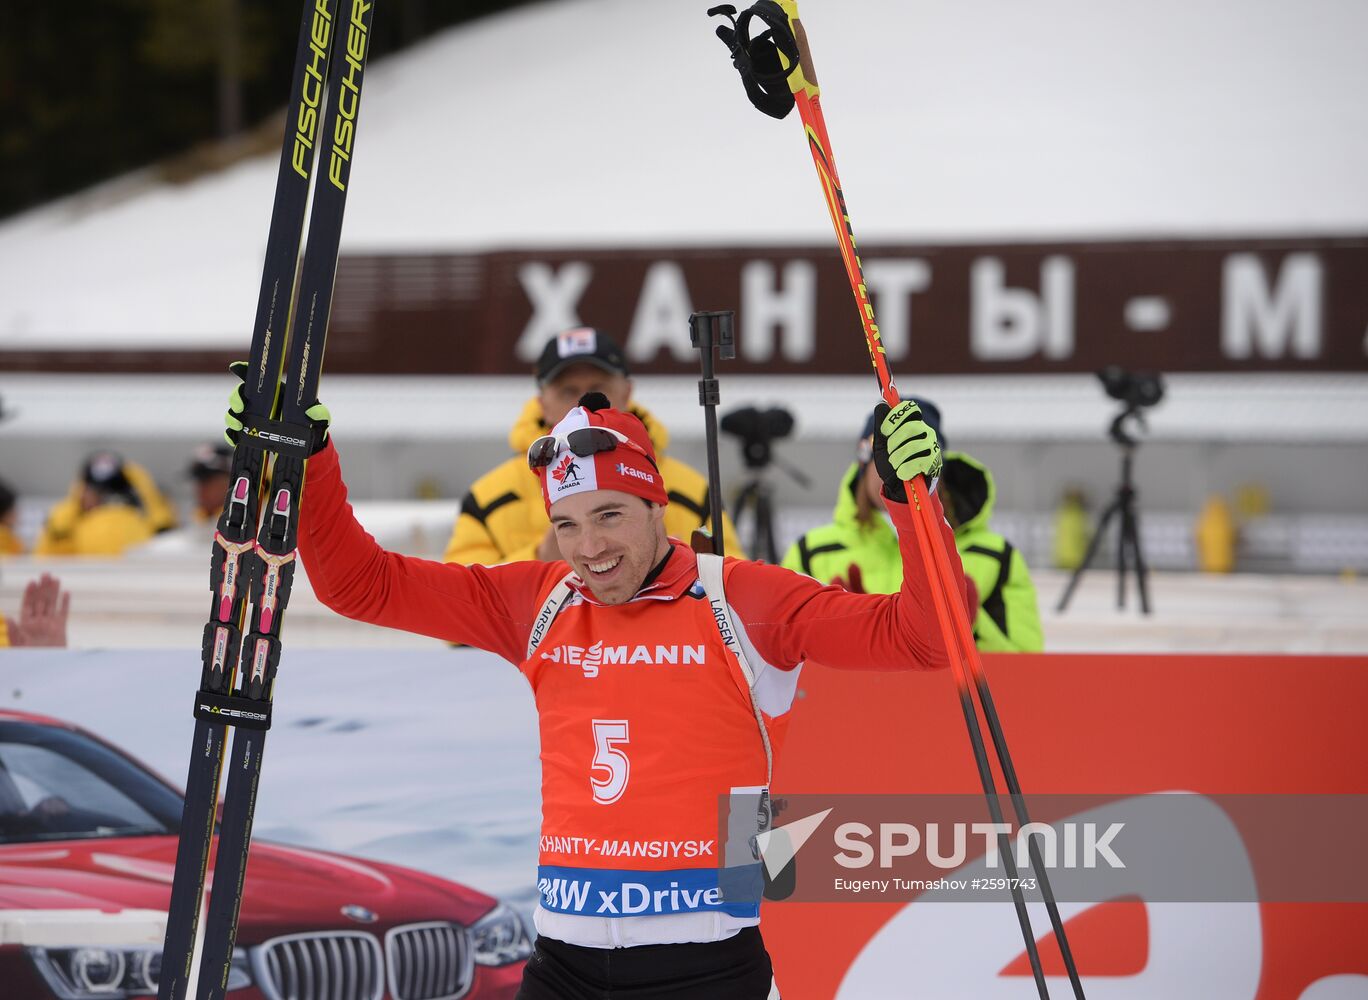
(628, 852)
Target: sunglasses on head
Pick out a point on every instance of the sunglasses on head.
(584, 442)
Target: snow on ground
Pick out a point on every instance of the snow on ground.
(620, 122)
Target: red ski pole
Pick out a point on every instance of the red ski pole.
(794, 64)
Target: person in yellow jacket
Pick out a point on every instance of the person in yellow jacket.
(503, 518)
(113, 506)
(9, 516)
(1071, 530)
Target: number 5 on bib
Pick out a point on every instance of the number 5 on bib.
(608, 758)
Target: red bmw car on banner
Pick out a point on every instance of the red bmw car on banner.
(87, 848)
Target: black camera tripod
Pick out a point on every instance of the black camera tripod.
(1128, 551)
(757, 430)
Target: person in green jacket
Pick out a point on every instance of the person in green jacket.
(859, 549)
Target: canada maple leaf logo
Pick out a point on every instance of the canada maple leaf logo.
(567, 471)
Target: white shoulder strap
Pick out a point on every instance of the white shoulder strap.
(710, 575)
(556, 600)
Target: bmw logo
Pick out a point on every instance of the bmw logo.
(359, 913)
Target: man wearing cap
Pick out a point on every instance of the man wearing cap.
(109, 510)
(662, 680)
(502, 518)
(859, 548)
(208, 472)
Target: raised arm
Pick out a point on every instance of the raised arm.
(487, 607)
(791, 617)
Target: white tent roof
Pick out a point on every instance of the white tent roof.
(620, 122)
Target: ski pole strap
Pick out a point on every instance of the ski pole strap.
(263, 434)
(763, 73)
(232, 710)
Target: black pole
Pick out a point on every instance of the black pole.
(1023, 819)
(709, 331)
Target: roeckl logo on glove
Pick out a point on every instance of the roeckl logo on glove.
(907, 409)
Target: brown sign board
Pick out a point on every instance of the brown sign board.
(1176, 305)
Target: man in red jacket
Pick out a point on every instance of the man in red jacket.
(662, 681)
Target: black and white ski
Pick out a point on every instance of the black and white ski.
(254, 547)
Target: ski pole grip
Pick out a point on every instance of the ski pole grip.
(803, 78)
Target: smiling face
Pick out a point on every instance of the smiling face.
(611, 539)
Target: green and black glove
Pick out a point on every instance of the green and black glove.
(904, 446)
(319, 417)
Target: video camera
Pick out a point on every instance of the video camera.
(1135, 389)
(1138, 390)
(758, 430)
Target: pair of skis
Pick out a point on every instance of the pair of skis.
(776, 68)
(252, 564)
